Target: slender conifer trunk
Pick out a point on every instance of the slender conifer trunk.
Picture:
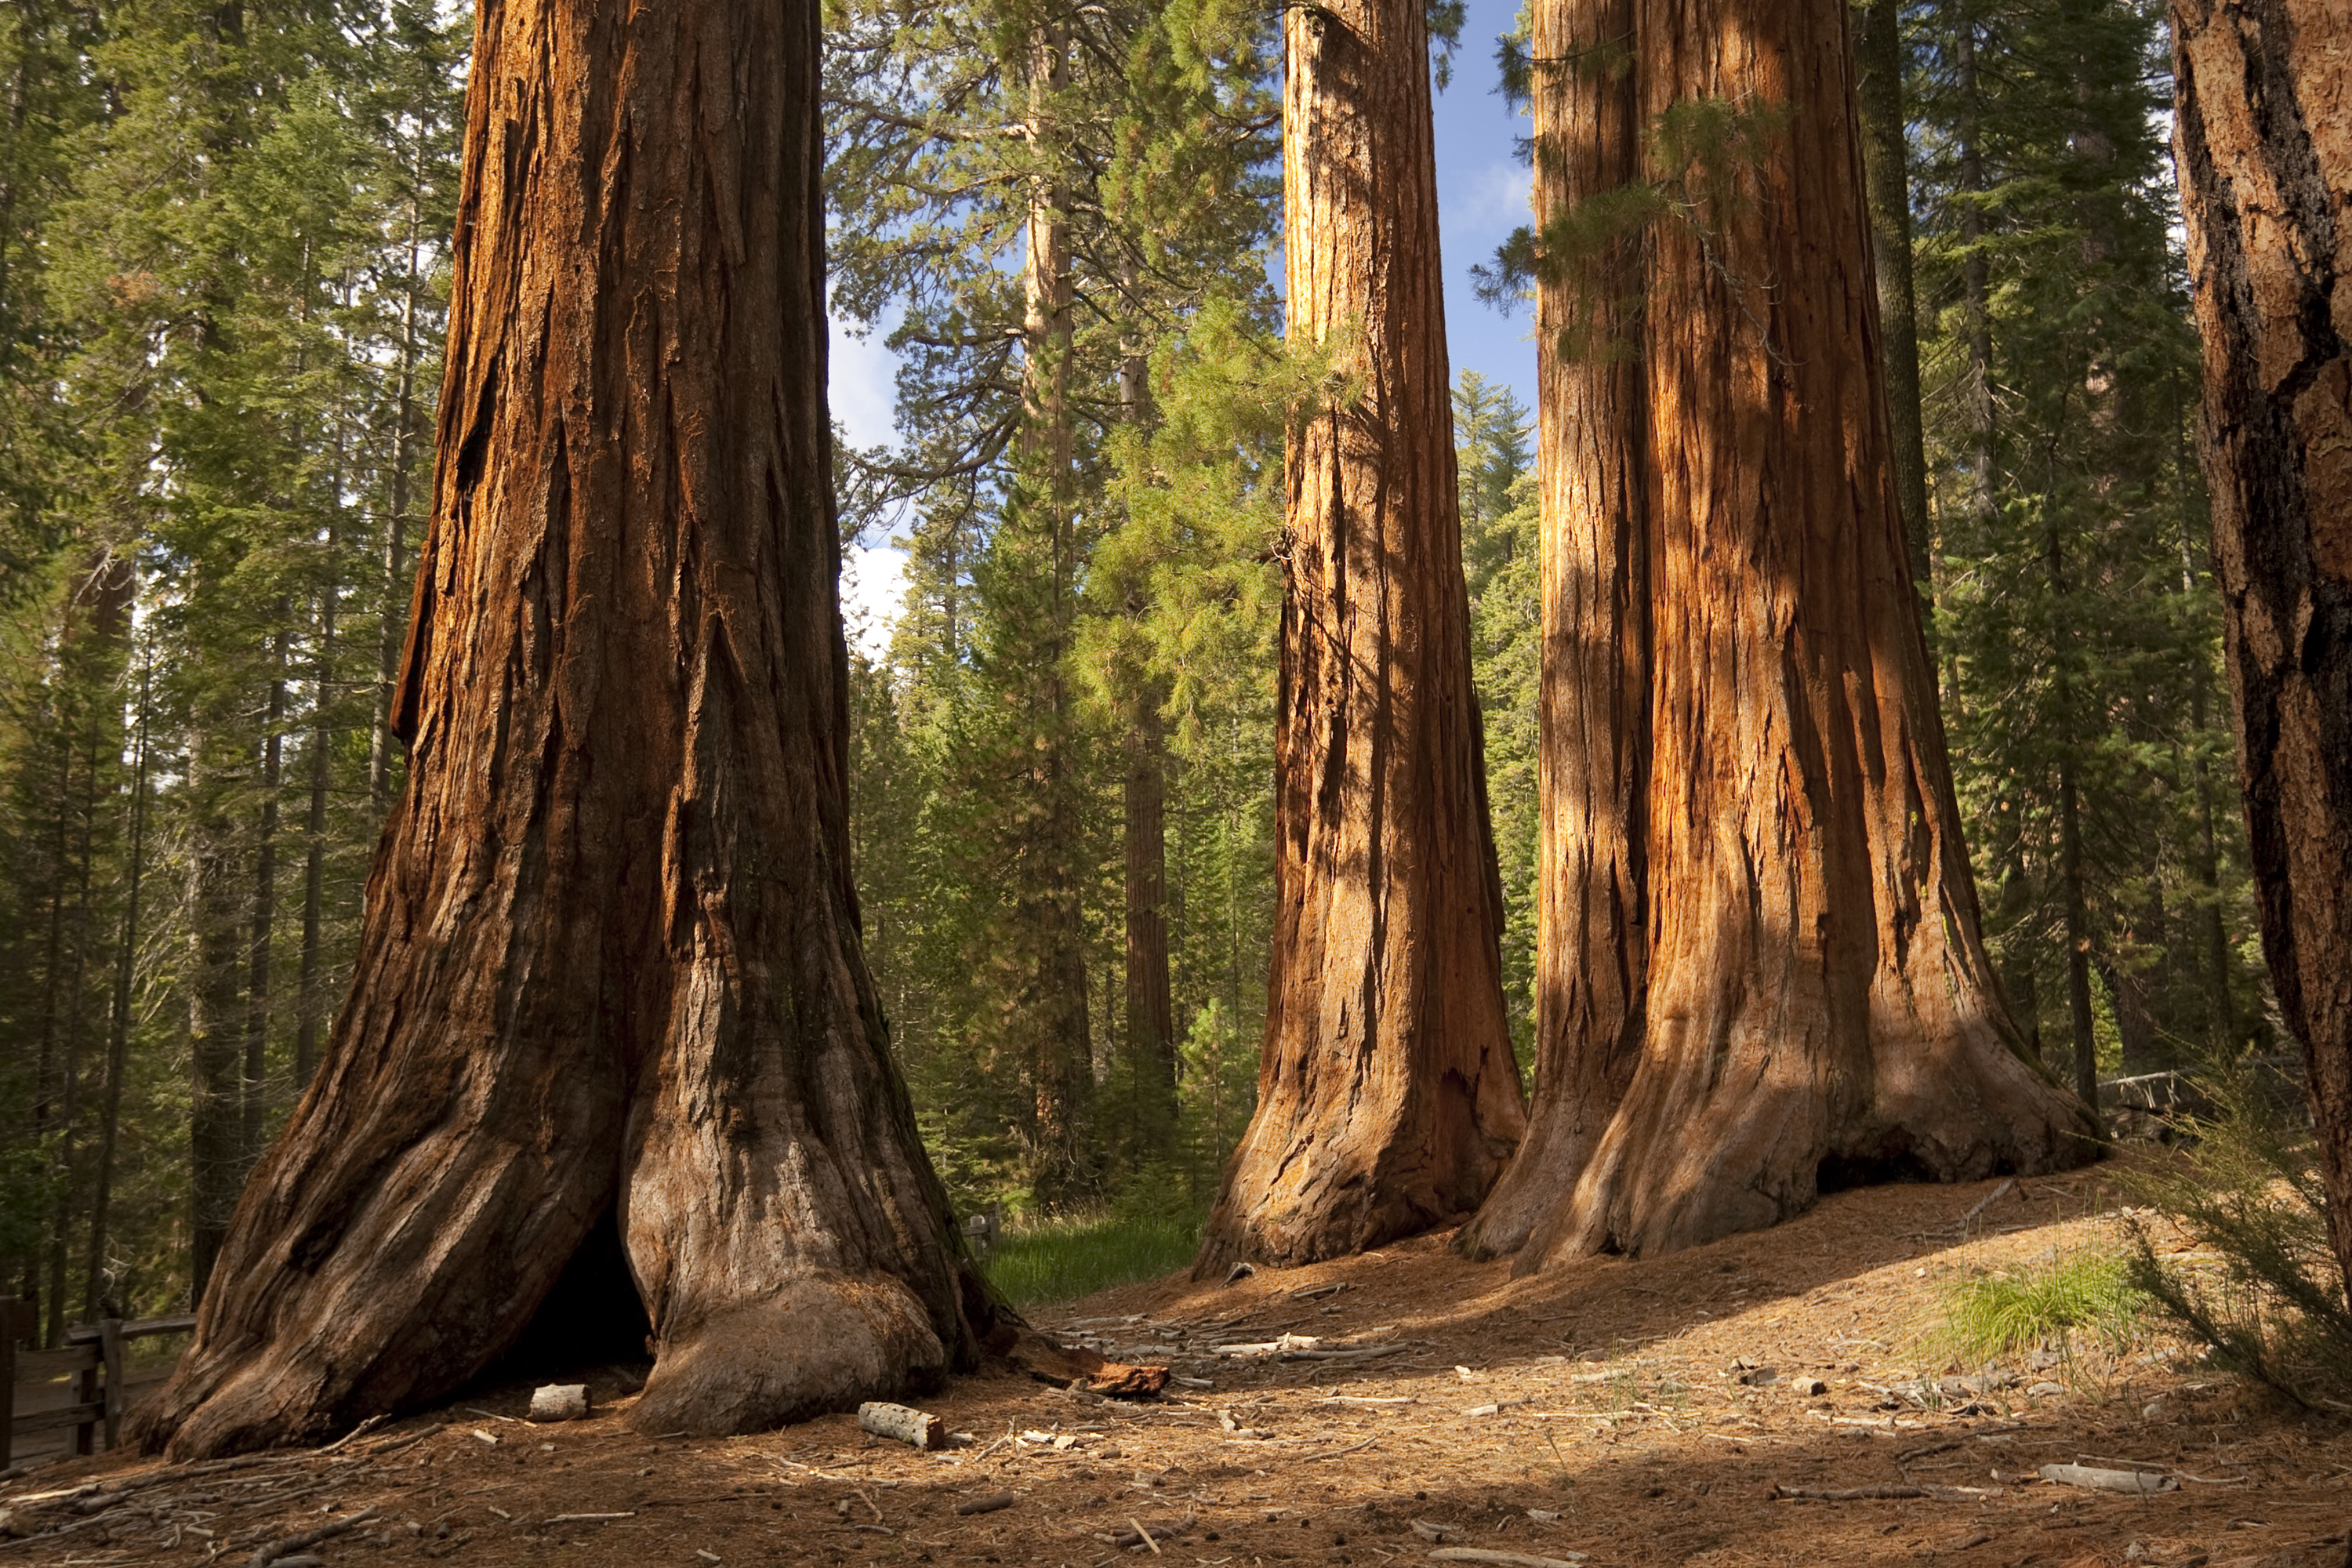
(1879, 62)
(1061, 1051)
(118, 1024)
(263, 926)
(395, 534)
(308, 1003)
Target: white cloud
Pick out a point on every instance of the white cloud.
(1490, 200)
(873, 592)
(861, 383)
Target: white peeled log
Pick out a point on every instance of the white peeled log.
(559, 1402)
(918, 1428)
(2141, 1483)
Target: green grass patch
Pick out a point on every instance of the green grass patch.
(1042, 1261)
(2010, 1310)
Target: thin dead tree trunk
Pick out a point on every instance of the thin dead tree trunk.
(1819, 1008)
(396, 533)
(118, 1025)
(2265, 153)
(1593, 702)
(1150, 1020)
(610, 965)
(216, 1148)
(264, 924)
(1388, 1098)
(308, 1003)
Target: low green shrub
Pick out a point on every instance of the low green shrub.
(2262, 1290)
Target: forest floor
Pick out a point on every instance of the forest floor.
(1595, 1413)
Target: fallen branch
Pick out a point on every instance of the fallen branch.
(291, 1544)
(361, 1430)
(589, 1518)
(1335, 1453)
(1505, 1559)
(1921, 1452)
(989, 1504)
(1140, 1534)
(1990, 1198)
(1884, 1493)
(2139, 1483)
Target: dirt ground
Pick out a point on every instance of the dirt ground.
(1597, 1413)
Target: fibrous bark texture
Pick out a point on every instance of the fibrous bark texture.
(1763, 924)
(2263, 137)
(609, 969)
(1388, 1100)
(1592, 710)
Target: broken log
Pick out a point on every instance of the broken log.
(1504, 1559)
(993, 1502)
(559, 1402)
(916, 1427)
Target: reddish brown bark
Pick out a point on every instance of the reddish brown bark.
(2263, 137)
(1810, 1001)
(1593, 702)
(610, 965)
(1388, 1100)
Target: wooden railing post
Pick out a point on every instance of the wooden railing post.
(110, 1350)
(85, 1392)
(14, 1324)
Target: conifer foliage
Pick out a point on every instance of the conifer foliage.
(225, 226)
(226, 233)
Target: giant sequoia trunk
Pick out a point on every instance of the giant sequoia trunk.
(2263, 140)
(1775, 935)
(1592, 706)
(1388, 1100)
(610, 973)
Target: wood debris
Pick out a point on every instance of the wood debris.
(915, 1428)
(2141, 1483)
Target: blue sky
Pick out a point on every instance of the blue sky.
(1482, 195)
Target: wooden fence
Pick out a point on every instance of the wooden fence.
(93, 1358)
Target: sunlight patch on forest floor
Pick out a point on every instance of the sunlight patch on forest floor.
(1622, 1412)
